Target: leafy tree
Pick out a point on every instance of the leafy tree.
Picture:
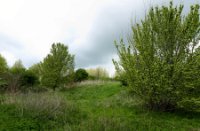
(80, 75)
(57, 67)
(161, 61)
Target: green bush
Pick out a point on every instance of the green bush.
(161, 62)
(80, 75)
(30, 78)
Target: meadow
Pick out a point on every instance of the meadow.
(155, 86)
(88, 106)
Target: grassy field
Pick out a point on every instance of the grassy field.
(91, 106)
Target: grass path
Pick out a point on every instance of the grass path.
(108, 107)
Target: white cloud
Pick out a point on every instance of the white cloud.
(37, 24)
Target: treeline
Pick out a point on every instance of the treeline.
(16, 77)
(55, 71)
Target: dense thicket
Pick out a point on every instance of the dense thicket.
(162, 60)
(17, 78)
(56, 70)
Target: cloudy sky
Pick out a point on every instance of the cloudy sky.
(88, 27)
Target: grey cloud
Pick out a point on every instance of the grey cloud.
(113, 22)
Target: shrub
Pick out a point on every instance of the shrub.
(81, 75)
(30, 78)
(161, 61)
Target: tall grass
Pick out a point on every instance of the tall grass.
(46, 104)
(49, 110)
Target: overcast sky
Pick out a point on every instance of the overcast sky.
(88, 27)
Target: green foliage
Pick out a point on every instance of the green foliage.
(3, 64)
(80, 75)
(18, 78)
(121, 76)
(161, 61)
(57, 67)
(36, 69)
(192, 83)
(18, 68)
(30, 78)
(98, 73)
(13, 78)
(3, 70)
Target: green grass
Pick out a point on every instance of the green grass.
(96, 107)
